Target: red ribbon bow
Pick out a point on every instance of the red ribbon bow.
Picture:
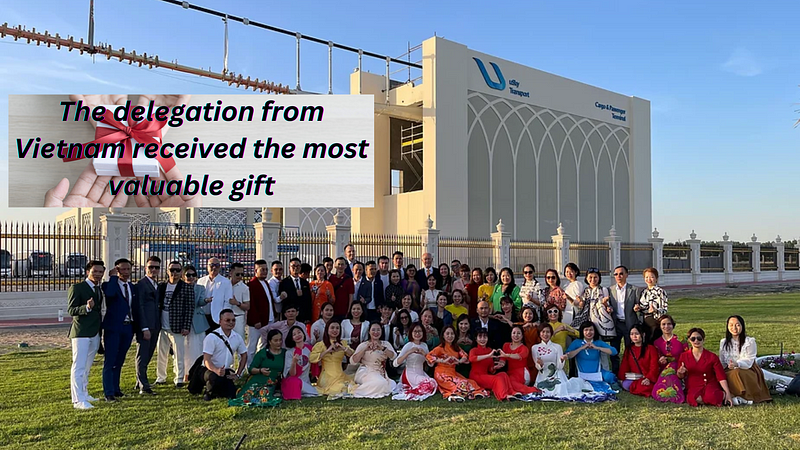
(144, 132)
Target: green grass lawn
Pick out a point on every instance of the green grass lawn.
(35, 409)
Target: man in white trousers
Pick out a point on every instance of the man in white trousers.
(85, 300)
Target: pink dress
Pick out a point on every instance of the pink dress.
(668, 387)
(299, 385)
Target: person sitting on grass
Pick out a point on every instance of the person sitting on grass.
(586, 352)
(265, 372)
(639, 368)
(703, 374)
(218, 349)
(737, 353)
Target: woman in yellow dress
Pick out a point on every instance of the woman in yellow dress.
(329, 353)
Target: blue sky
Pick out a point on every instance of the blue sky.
(722, 77)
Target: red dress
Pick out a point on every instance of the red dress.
(482, 372)
(647, 366)
(517, 368)
(702, 378)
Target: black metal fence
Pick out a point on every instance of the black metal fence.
(769, 258)
(471, 251)
(636, 256)
(676, 259)
(589, 254)
(541, 254)
(742, 257)
(44, 257)
(712, 258)
(791, 259)
(192, 244)
(310, 248)
(372, 246)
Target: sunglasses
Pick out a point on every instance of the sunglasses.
(153, 267)
(619, 274)
(552, 311)
(593, 270)
(213, 265)
(550, 277)
(174, 270)
(696, 339)
(527, 272)
(191, 275)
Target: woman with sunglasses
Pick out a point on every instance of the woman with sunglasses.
(737, 353)
(600, 311)
(668, 387)
(639, 366)
(561, 331)
(415, 384)
(531, 292)
(401, 329)
(703, 374)
(554, 295)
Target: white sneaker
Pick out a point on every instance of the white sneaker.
(91, 399)
(738, 401)
(82, 405)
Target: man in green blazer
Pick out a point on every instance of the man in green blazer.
(85, 300)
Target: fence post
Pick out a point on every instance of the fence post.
(755, 256)
(267, 234)
(727, 247)
(614, 248)
(694, 255)
(658, 251)
(561, 248)
(430, 239)
(781, 256)
(502, 246)
(116, 237)
(338, 235)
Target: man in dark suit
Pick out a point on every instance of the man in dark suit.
(262, 308)
(294, 289)
(623, 297)
(370, 292)
(426, 270)
(146, 322)
(117, 325)
(176, 308)
(350, 257)
(85, 300)
(488, 323)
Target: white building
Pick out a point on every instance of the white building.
(480, 139)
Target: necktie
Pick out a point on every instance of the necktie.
(127, 294)
(297, 283)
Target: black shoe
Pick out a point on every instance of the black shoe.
(180, 385)
(111, 398)
(147, 391)
(207, 397)
(160, 383)
(119, 394)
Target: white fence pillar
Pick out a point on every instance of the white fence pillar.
(116, 234)
(338, 235)
(430, 239)
(727, 258)
(561, 248)
(781, 262)
(502, 246)
(614, 249)
(658, 251)
(755, 256)
(694, 258)
(267, 234)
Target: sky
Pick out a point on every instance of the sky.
(722, 77)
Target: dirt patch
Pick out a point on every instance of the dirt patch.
(37, 338)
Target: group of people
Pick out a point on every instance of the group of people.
(382, 328)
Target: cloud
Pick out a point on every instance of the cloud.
(742, 62)
(17, 75)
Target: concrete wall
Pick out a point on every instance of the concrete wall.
(30, 305)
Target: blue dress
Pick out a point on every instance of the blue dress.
(588, 363)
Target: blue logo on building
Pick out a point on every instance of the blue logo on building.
(500, 85)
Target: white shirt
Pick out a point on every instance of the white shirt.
(743, 358)
(427, 271)
(270, 295)
(241, 292)
(220, 355)
(385, 280)
(167, 301)
(220, 291)
(371, 304)
(484, 325)
(273, 285)
(93, 286)
(621, 291)
(317, 329)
